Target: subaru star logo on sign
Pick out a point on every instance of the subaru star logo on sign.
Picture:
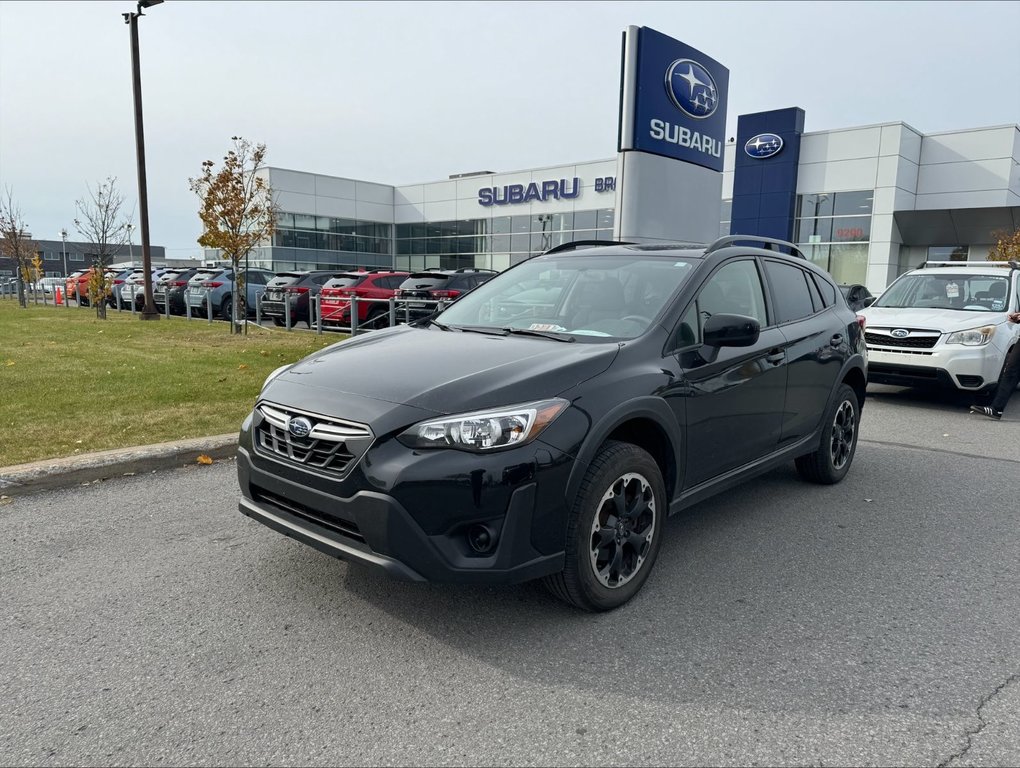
(763, 145)
(674, 99)
(692, 88)
(300, 426)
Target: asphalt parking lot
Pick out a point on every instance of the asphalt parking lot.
(143, 620)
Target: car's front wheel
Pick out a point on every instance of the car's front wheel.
(830, 462)
(614, 531)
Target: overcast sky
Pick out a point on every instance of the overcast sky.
(411, 92)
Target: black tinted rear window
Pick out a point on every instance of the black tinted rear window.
(286, 278)
(425, 280)
(344, 281)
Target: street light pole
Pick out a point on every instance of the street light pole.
(131, 19)
(131, 244)
(63, 247)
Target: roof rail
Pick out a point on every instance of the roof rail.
(575, 244)
(1012, 264)
(770, 244)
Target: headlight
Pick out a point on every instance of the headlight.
(975, 337)
(274, 374)
(485, 430)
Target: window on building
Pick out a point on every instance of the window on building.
(948, 252)
(834, 229)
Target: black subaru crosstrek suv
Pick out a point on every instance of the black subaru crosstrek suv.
(544, 424)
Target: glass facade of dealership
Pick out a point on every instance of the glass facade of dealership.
(833, 230)
(497, 242)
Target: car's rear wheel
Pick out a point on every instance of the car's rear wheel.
(379, 318)
(226, 308)
(614, 530)
(838, 443)
(279, 322)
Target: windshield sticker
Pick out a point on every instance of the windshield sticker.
(952, 291)
(998, 305)
(546, 327)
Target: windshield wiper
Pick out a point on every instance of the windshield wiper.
(429, 321)
(487, 330)
(554, 335)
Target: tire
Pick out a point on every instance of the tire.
(378, 320)
(279, 322)
(226, 310)
(838, 444)
(620, 471)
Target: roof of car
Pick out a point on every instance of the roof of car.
(966, 267)
(688, 250)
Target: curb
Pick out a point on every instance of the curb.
(74, 470)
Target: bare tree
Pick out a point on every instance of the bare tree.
(238, 213)
(17, 242)
(100, 221)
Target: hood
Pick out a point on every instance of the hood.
(944, 320)
(444, 371)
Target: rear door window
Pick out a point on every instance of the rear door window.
(790, 291)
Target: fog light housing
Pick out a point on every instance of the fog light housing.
(481, 538)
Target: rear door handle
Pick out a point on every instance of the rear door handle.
(836, 340)
(776, 356)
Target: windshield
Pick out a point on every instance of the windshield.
(578, 296)
(972, 293)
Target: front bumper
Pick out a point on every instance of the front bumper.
(955, 366)
(414, 526)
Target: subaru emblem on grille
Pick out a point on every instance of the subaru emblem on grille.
(900, 333)
(299, 426)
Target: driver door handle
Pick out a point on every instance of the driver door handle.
(776, 356)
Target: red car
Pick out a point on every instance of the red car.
(77, 285)
(373, 284)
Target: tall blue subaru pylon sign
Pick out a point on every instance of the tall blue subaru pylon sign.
(765, 173)
(671, 139)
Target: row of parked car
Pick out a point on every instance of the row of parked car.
(205, 288)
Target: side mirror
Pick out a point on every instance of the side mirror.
(868, 301)
(731, 331)
(727, 331)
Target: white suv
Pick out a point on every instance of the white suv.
(944, 323)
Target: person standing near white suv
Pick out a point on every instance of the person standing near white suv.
(1007, 381)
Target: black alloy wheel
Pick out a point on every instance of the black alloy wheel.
(614, 531)
(832, 459)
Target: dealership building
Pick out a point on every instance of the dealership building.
(866, 203)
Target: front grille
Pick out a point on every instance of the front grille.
(331, 446)
(343, 527)
(916, 339)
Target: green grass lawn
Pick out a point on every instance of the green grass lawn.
(70, 383)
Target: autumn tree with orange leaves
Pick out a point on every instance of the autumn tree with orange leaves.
(237, 211)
